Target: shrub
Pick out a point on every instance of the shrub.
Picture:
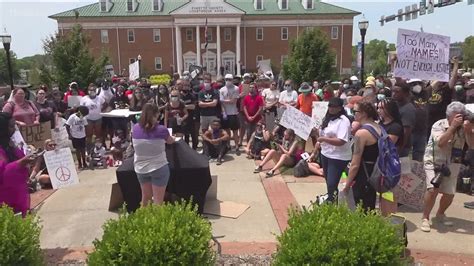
(169, 234)
(164, 79)
(19, 239)
(334, 235)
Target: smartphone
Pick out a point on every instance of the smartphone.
(38, 154)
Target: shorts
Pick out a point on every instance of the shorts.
(94, 122)
(78, 144)
(448, 185)
(157, 177)
(106, 122)
(232, 122)
(206, 122)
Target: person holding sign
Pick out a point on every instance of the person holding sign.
(22, 110)
(13, 168)
(96, 105)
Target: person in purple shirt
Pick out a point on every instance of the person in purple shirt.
(13, 169)
(150, 163)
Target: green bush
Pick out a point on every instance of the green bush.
(169, 234)
(334, 235)
(19, 239)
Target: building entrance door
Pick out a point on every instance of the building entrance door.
(211, 58)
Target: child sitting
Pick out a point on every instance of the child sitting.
(76, 128)
(216, 142)
(97, 155)
(259, 143)
(119, 146)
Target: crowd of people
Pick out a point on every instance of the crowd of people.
(426, 120)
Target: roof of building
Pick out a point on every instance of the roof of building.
(144, 8)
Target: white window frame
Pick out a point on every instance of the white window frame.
(209, 35)
(283, 58)
(309, 4)
(161, 63)
(286, 4)
(256, 34)
(227, 34)
(189, 34)
(104, 3)
(258, 4)
(104, 36)
(282, 31)
(156, 33)
(334, 32)
(131, 60)
(309, 28)
(133, 5)
(258, 59)
(128, 35)
(158, 3)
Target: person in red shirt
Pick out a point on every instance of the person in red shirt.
(306, 99)
(252, 107)
(73, 90)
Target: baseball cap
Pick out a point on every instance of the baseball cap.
(353, 101)
(246, 75)
(413, 80)
(336, 102)
(466, 75)
(369, 83)
(354, 78)
(304, 87)
(229, 76)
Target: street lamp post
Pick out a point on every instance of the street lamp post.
(6, 40)
(363, 25)
(388, 59)
(139, 58)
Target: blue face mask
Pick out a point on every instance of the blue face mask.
(380, 97)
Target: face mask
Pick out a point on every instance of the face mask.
(458, 87)
(98, 145)
(174, 98)
(306, 93)
(379, 84)
(345, 86)
(229, 84)
(207, 86)
(162, 91)
(416, 89)
(201, 81)
(288, 88)
(92, 94)
(380, 97)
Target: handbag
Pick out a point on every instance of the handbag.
(301, 169)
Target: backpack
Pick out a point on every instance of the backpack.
(387, 167)
(301, 169)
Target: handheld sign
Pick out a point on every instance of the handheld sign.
(36, 135)
(319, 112)
(298, 121)
(61, 168)
(422, 55)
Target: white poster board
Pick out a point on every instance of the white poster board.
(470, 107)
(412, 186)
(134, 71)
(319, 112)
(120, 113)
(109, 71)
(61, 168)
(73, 101)
(422, 55)
(298, 121)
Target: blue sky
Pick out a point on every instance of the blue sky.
(28, 22)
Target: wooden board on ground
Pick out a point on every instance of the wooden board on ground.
(227, 209)
(116, 197)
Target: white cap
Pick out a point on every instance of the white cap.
(354, 78)
(413, 80)
(268, 73)
(228, 76)
(466, 75)
(246, 75)
(72, 83)
(185, 73)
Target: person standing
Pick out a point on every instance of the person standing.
(190, 129)
(229, 95)
(288, 97)
(208, 106)
(306, 99)
(271, 97)
(22, 110)
(442, 158)
(45, 108)
(419, 132)
(76, 127)
(252, 106)
(401, 94)
(94, 119)
(150, 163)
(176, 113)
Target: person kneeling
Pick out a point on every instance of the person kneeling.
(216, 142)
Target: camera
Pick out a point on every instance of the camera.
(440, 172)
(469, 116)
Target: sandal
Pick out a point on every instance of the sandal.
(257, 169)
(270, 173)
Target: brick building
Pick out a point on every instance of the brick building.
(169, 35)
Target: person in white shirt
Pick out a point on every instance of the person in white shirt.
(271, 97)
(228, 96)
(75, 126)
(95, 105)
(334, 140)
(288, 97)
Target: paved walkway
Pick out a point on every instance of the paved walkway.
(72, 217)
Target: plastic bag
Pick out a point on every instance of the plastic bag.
(346, 198)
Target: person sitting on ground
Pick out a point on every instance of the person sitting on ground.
(215, 142)
(97, 155)
(259, 143)
(288, 153)
(76, 128)
(39, 171)
(119, 146)
(313, 166)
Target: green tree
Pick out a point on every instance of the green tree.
(375, 57)
(311, 57)
(4, 74)
(72, 60)
(468, 52)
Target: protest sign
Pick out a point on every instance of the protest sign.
(319, 112)
(134, 70)
(470, 107)
(298, 121)
(61, 168)
(120, 113)
(36, 135)
(73, 101)
(422, 55)
(411, 188)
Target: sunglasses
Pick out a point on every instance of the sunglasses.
(52, 145)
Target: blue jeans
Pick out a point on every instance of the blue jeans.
(418, 142)
(332, 169)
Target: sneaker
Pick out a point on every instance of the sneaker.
(237, 151)
(211, 160)
(469, 205)
(442, 219)
(219, 162)
(270, 173)
(257, 169)
(425, 225)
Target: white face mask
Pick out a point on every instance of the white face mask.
(174, 98)
(92, 94)
(458, 87)
(345, 86)
(229, 83)
(417, 89)
(207, 86)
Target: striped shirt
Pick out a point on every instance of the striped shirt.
(150, 149)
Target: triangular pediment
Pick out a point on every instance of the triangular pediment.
(207, 7)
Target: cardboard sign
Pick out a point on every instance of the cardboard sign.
(73, 101)
(319, 112)
(422, 55)
(411, 188)
(61, 168)
(298, 121)
(36, 135)
(120, 113)
(134, 70)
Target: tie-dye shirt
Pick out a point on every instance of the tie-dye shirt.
(150, 148)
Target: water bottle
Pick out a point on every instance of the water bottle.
(38, 186)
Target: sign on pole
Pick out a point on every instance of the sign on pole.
(61, 168)
(422, 55)
(298, 121)
(134, 70)
(414, 9)
(422, 7)
(109, 71)
(470, 2)
(407, 13)
(430, 6)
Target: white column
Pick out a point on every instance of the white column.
(237, 49)
(218, 29)
(179, 51)
(198, 46)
